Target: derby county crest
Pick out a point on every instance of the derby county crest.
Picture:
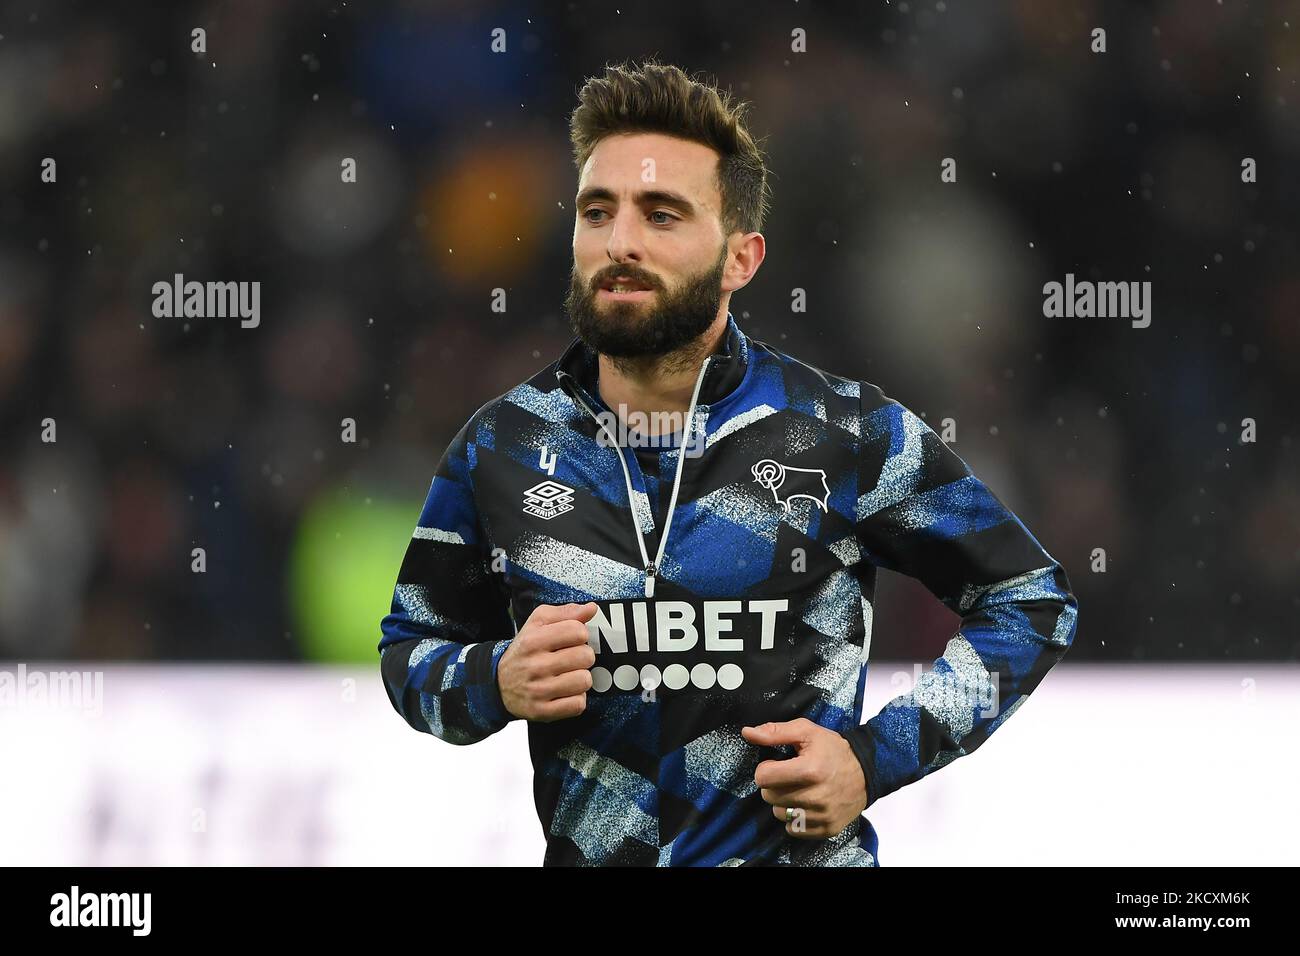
(787, 483)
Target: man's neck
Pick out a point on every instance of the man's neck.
(658, 383)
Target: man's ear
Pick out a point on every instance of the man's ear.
(749, 253)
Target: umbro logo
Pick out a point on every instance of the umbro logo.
(548, 499)
(788, 483)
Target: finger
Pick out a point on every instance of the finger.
(562, 634)
(792, 816)
(814, 827)
(798, 797)
(550, 613)
(546, 613)
(786, 774)
(804, 824)
(562, 708)
(774, 733)
(568, 659)
(564, 685)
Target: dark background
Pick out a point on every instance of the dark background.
(376, 296)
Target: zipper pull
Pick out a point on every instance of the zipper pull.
(650, 573)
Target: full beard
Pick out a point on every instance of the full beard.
(634, 331)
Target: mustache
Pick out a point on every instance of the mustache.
(637, 276)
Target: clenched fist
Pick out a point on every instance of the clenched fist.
(545, 673)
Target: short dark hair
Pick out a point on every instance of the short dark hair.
(661, 98)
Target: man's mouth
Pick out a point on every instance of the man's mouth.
(627, 287)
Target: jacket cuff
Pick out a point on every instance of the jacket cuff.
(494, 708)
(864, 748)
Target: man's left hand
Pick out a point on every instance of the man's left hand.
(823, 783)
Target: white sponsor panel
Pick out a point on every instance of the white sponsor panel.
(280, 765)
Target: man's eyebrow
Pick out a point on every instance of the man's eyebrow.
(648, 197)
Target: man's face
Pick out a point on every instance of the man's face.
(648, 213)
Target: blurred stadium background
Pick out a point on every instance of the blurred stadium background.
(242, 715)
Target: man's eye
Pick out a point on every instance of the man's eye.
(668, 217)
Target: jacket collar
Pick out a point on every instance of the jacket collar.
(578, 366)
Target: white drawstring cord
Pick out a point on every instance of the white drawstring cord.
(652, 569)
(677, 481)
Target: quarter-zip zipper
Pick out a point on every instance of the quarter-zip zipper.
(652, 568)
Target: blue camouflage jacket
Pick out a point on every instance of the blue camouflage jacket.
(735, 583)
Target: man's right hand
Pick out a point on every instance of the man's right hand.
(545, 673)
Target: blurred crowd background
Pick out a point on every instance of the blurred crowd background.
(376, 301)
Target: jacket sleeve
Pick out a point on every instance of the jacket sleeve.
(921, 512)
(450, 620)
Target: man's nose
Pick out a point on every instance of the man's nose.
(625, 238)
